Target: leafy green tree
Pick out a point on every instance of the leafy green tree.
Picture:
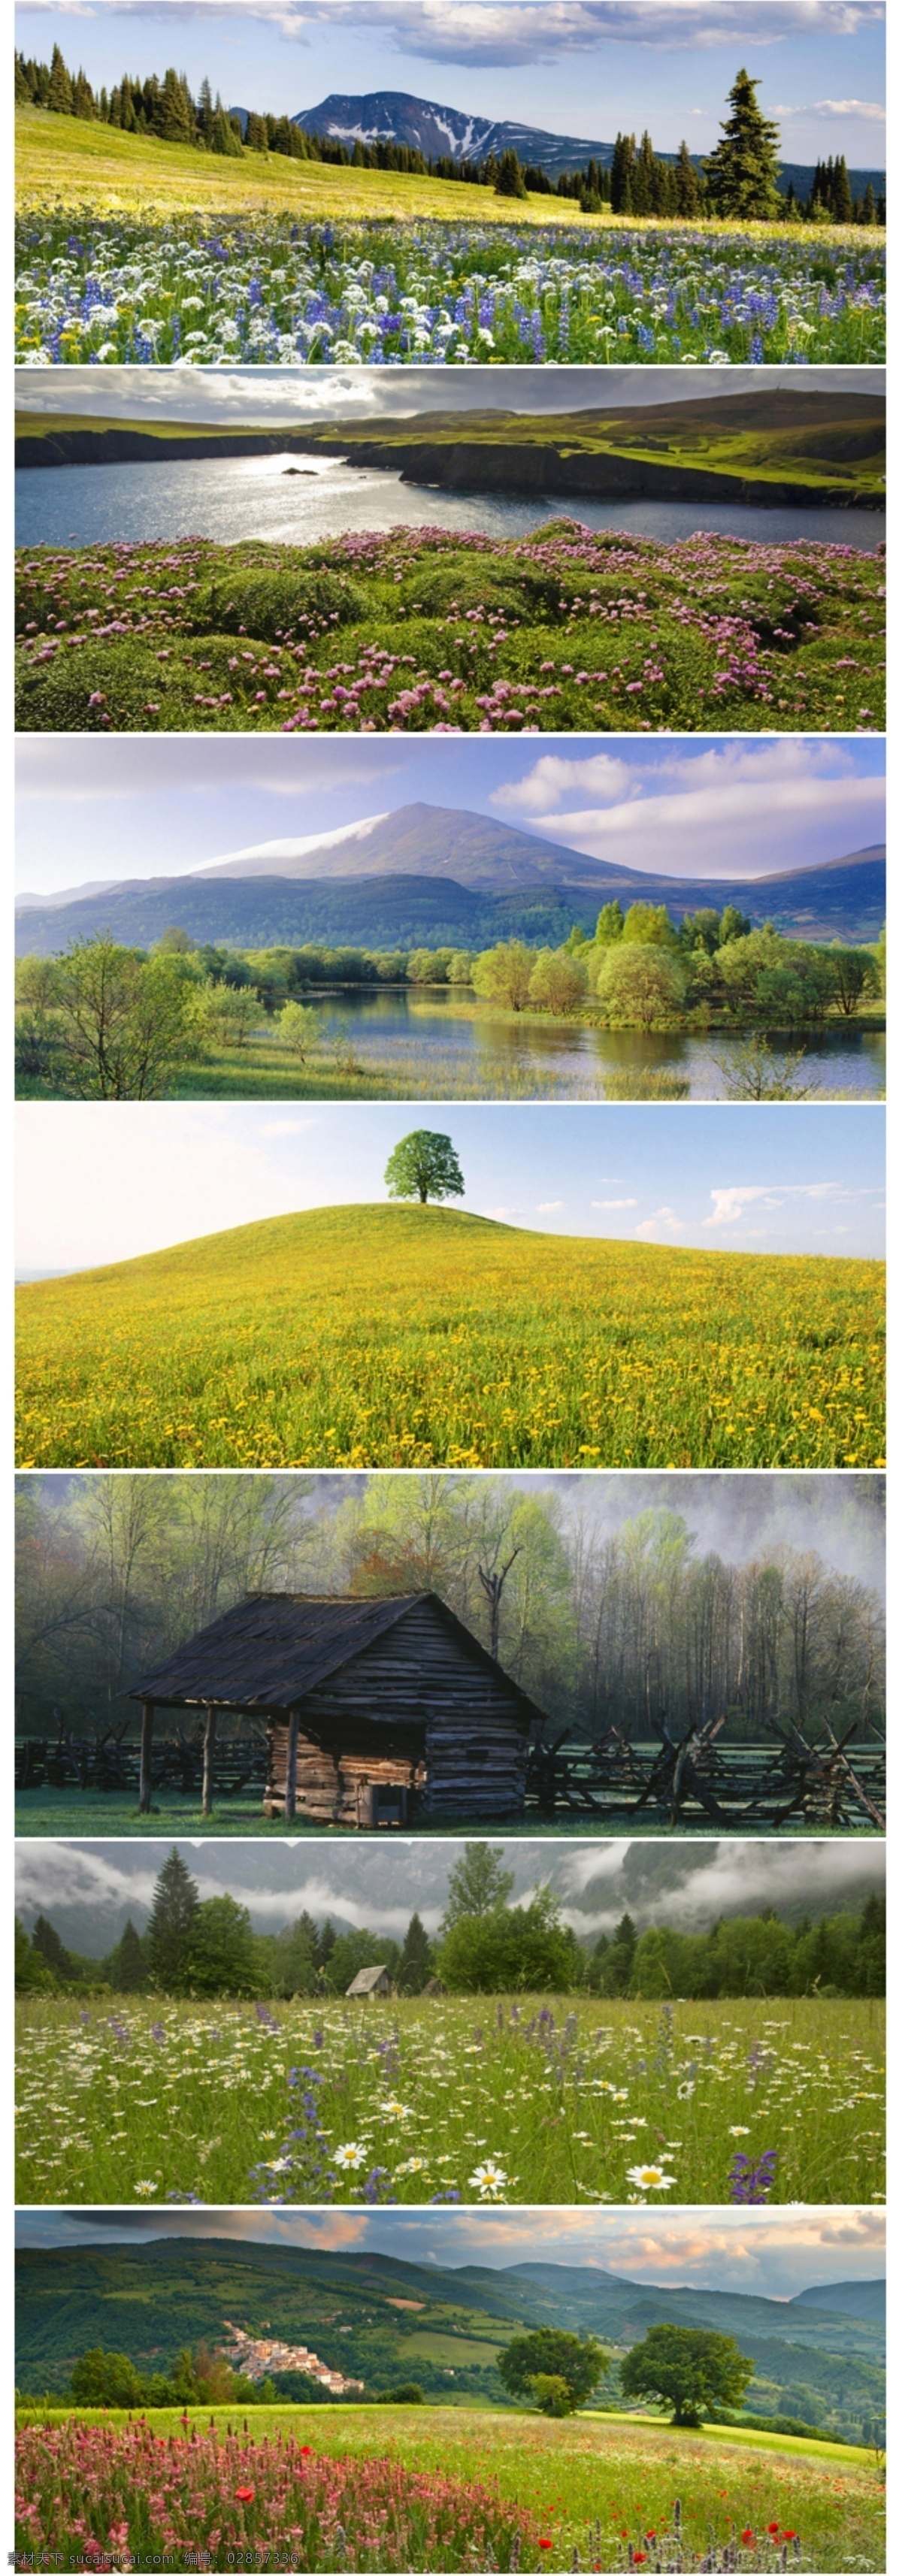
(519, 1949)
(129, 1967)
(553, 2395)
(298, 1028)
(742, 173)
(558, 982)
(222, 1015)
(641, 986)
(477, 1884)
(424, 1166)
(855, 973)
(408, 2393)
(504, 973)
(120, 1021)
(609, 926)
(101, 2378)
(221, 1954)
(576, 2362)
(416, 1962)
(649, 925)
(688, 2368)
(175, 1906)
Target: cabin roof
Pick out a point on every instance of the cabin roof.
(274, 1648)
(366, 1981)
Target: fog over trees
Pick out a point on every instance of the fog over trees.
(603, 1618)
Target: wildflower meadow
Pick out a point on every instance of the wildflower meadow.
(474, 2488)
(379, 1336)
(431, 630)
(128, 290)
(472, 2099)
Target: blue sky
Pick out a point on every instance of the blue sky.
(768, 2253)
(583, 67)
(90, 1889)
(90, 810)
(102, 1182)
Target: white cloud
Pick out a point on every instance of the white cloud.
(490, 32)
(730, 1205)
(869, 108)
(547, 782)
(614, 1203)
(550, 1207)
(665, 1221)
(730, 810)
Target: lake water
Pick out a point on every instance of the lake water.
(231, 498)
(563, 1060)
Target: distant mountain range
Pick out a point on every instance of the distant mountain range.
(812, 2358)
(392, 115)
(432, 876)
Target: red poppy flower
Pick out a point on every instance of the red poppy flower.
(544, 2544)
(306, 2450)
(789, 2535)
(245, 2495)
(774, 2529)
(639, 2557)
(748, 2539)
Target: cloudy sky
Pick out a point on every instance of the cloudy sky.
(583, 67)
(91, 810)
(770, 2254)
(91, 1889)
(101, 1182)
(276, 397)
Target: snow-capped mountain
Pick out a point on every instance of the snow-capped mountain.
(390, 115)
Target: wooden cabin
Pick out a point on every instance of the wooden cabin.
(370, 1981)
(377, 1711)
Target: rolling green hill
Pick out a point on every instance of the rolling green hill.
(796, 446)
(417, 1336)
(150, 2299)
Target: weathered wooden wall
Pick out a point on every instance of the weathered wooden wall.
(414, 1708)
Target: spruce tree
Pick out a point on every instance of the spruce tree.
(868, 208)
(82, 96)
(60, 98)
(128, 1965)
(415, 1965)
(177, 114)
(175, 1904)
(842, 194)
(687, 184)
(23, 88)
(46, 1940)
(743, 171)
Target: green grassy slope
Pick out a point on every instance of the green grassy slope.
(387, 1335)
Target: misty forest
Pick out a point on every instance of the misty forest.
(604, 1619)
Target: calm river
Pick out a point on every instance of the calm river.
(300, 500)
(482, 1056)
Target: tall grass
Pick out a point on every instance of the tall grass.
(134, 2098)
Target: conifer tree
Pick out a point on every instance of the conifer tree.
(46, 1940)
(177, 114)
(82, 96)
(842, 194)
(60, 97)
(175, 1904)
(128, 1965)
(415, 1964)
(23, 86)
(743, 171)
(868, 208)
(687, 184)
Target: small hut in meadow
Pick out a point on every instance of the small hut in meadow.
(374, 1708)
(370, 1981)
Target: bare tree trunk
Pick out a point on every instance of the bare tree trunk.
(209, 1760)
(147, 1718)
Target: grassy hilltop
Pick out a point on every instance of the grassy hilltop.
(406, 1336)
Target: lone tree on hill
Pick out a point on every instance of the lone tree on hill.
(689, 2369)
(743, 171)
(424, 1166)
(558, 2371)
